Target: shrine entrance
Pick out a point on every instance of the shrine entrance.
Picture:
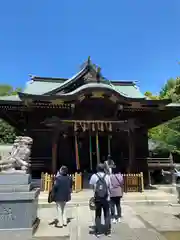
(93, 149)
(89, 144)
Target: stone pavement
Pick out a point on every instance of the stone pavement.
(148, 196)
(131, 228)
(48, 231)
(163, 219)
(139, 222)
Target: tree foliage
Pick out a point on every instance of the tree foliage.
(7, 132)
(167, 135)
(171, 90)
(6, 90)
(149, 95)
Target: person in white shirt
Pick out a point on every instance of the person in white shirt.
(101, 184)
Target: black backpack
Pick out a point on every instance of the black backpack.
(101, 189)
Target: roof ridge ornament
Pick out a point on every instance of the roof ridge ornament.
(89, 60)
(98, 74)
(87, 63)
(31, 76)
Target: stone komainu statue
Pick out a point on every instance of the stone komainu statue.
(18, 160)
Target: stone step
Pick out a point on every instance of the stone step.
(151, 195)
(51, 238)
(131, 203)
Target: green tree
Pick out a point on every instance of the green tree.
(168, 134)
(151, 96)
(7, 132)
(6, 90)
(168, 89)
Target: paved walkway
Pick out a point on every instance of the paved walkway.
(150, 196)
(46, 230)
(131, 228)
(138, 223)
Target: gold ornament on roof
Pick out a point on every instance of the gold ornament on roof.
(97, 95)
(57, 102)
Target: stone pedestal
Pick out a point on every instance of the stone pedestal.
(18, 206)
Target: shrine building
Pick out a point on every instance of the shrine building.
(77, 122)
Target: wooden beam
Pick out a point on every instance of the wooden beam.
(93, 121)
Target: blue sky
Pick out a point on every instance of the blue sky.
(129, 39)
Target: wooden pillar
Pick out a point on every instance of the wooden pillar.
(77, 152)
(109, 144)
(143, 153)
(149, 177)
(55, 136)
(90, 151)
(131, 150)
(97, 148)
(173, 177)
(54, 157)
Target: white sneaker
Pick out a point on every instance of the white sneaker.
(119, 220)
(114, 220)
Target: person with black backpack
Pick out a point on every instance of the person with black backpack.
(101, 184)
